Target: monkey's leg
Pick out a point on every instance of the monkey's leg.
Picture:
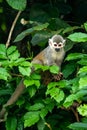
(18, 91)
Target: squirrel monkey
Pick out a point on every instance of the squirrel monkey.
(52, 55)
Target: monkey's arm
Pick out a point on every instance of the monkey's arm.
(18, 91)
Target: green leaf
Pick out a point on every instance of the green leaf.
(70, 29)
(14, 56)
(20, 101)
(50, 106)
(41, 27)
(4, 92)
(85, 25)
(26, 71)
(40, 37)
(21, 62)
(24, 34)
(36, 106)
(35, 76)
(41, 124)
(28, 82)
(52, 85)
(43, 112)
(54, 69)
(82, 109)
(41, 67)
(32, 91)
(2, 51)
(69, 69)
(20, 125)
(25, 63)
(83, 61)
(30, 118)
(37, 66)
(56, 93)
(30, 30)
(83, 70)
(4, 74)
(37, 83)
(17, 4)
(4, 62)
(81, 93)
(45, 67)
(74, 84)
(78, 37)
(69, 100)
(62, 83)
(78, 126)
(83, 82)
(11, 50)
(11, 123)
(59, 96)
(69, 45)
(74, 56)
(59, 24)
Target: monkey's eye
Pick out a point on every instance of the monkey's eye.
(59, 45)
(55, 45)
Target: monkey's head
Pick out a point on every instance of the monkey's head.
(57, 42)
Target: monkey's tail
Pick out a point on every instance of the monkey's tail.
(18, 91)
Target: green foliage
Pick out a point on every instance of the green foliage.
(41, 125)
(55, 93)
(31, 30)
(82, 82)
(82, 109)
(31, 118)
(8, 59)
(78, 37)
(80, 126)
(44, 107)
(4, 74)
(85, 26)
(11, 123)
(17, 4)
(74, 56)
(54, 69)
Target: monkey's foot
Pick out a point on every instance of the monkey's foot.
(57, 77)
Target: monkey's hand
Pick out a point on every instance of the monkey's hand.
(57, 77)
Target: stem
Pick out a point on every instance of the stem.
(12, 28)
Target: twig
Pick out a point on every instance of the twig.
(12, 28)
(75, 113)
(48, 125)
(16, 75)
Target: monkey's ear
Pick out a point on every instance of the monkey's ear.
(64, 41)
(50, 41)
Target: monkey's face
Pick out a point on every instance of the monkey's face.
(57, 46)
(56, 42)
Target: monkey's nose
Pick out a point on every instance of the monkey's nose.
(57, 49)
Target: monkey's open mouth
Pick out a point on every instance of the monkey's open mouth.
(57, 49)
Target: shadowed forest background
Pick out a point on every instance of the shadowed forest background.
(45, 104)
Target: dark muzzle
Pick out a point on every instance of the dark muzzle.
(57, 49)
